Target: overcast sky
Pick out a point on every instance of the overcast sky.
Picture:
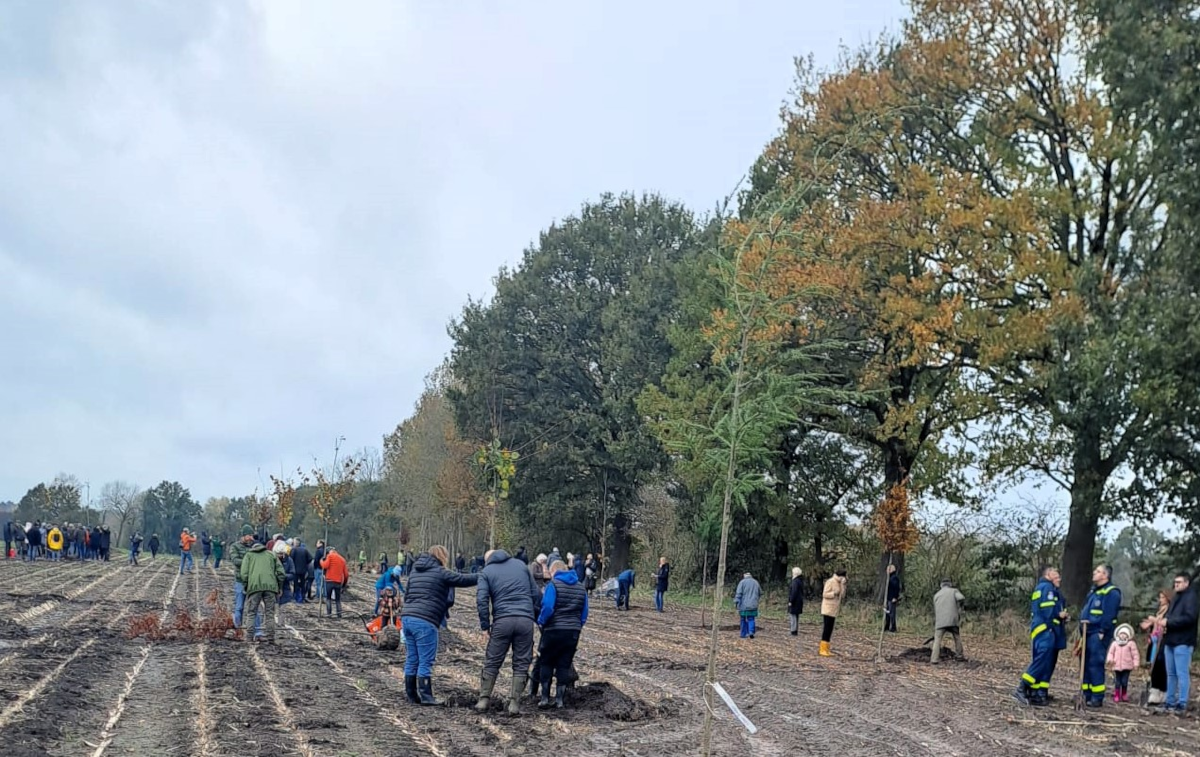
(233, 231)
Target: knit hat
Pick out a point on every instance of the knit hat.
(1124, 628)
(247, 530)
(795, 572)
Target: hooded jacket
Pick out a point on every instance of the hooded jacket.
(261, 571)
(237, 553)
(506, 590)
(565, 603)
(429, 587)
(1124, 656)
(831, 596)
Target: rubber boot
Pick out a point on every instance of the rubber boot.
(824, 652)
(544, 702)
(486, 684)
(514, 699)
(410, 690)
(559, 691)
(534, 683)
(425, 691)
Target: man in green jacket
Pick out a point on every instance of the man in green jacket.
(263, 575)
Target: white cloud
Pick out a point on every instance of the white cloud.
(231, 230)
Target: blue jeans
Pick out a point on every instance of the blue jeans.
(658, 599)
(239, 601)
(185, 561)
(319, 583)
(420, 644)
(747, 626)
(1177, 658)
(622, 594)
(32, 552)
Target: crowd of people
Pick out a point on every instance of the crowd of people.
(518, 595)
(37, 540)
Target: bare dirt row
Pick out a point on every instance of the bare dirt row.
(72, 683)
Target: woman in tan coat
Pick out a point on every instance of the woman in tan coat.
(831, 602)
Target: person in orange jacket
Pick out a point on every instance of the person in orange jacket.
(186, 540)
(336, 577)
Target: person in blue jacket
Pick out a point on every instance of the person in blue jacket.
(386, 579)
(1098, 621)
(1044, 606)
(563, 615)
(625, 581)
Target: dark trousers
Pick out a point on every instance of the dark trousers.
(1121, 679)
(889, 619)
(827, 628)
(505, 634)
(333, 596)
(556, 655)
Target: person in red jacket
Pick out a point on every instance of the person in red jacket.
(336, 576)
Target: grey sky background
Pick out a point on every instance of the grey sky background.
(232, 231)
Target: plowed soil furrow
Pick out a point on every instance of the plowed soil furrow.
(83, 682)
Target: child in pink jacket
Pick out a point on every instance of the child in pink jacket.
(1123, 657)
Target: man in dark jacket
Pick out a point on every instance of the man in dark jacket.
(662, 580)
(795, 600)
(154, 545)
(460, 563)
(8, 538)
(508, 601)
(425, 603)
(301, 560)
(319, 574)
(892, 599)
(1179, 641)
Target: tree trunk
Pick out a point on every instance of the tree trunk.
(1087, 497)
(897, 463)
(622, 541)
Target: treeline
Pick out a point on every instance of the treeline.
(967, 260)
(972, 244)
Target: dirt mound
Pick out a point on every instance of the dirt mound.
(613, 704)
(921, 654)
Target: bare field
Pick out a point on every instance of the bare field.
(71, 683)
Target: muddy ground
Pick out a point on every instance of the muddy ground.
(71, 683)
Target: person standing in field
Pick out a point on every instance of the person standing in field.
(135, 546)
(237, 554)
(831, 603)
(154, 544)
(302, 560)
(945, 619)
(1100, 611)
(424, 609)
(218, 551)
(205, 547)
(891, 599)
(318, 572)
(507, 601)
(337, 574)
(746, 600)
(662, 580)
(263, 575)
(1123, 657)
(186, 540)
(1044, 609)
(795, 601)
(1156, 625)
(591, 574)
(1179, 642)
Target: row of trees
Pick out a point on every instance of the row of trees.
(970, 257)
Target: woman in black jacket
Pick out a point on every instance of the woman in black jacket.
(796, 600)
(425, 604)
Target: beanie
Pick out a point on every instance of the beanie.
(247, 531)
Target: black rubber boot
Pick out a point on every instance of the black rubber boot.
(486, 684)
(559, 690)
(514, 700)
(410, 690)
(425, 691)
(544, 702)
